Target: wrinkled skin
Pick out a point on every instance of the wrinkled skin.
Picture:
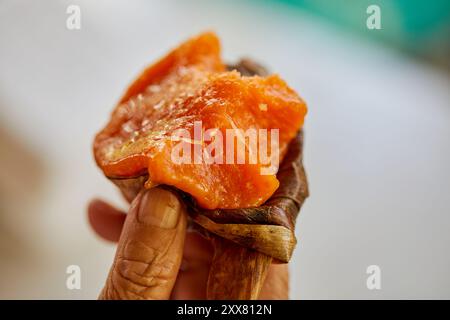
(150, 272)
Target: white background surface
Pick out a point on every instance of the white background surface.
(377, 142)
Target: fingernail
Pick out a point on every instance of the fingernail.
(160, 208)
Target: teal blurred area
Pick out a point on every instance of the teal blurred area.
(421, 28)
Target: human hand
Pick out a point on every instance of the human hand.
(156, 257)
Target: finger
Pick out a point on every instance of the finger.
(194, 271)
(106, 220)
(150, 248)
(276, 286)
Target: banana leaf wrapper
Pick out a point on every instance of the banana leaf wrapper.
(269, 228)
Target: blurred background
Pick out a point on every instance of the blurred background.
(377, 147)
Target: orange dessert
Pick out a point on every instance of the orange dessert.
(169, 122)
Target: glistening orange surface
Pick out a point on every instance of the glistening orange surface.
(187, 87)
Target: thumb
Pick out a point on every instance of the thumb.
(150, 248)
